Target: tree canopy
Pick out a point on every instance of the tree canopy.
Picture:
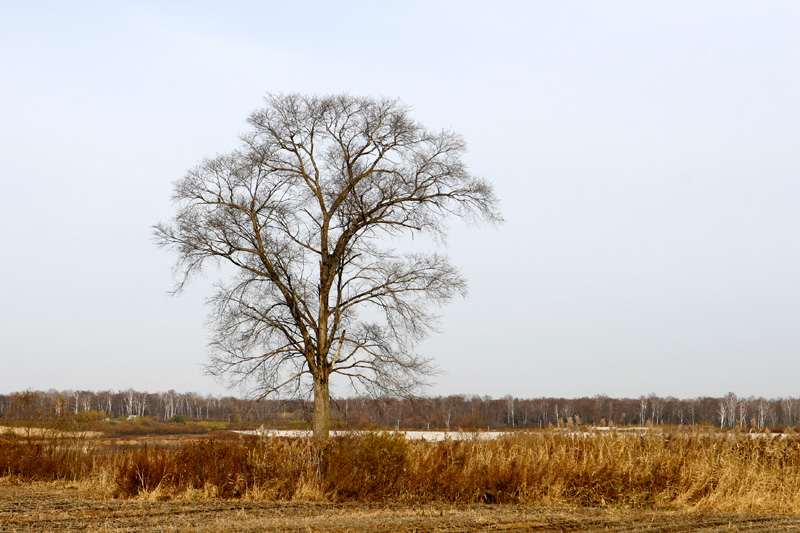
(306, 210)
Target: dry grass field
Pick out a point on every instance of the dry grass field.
(66, 507)
(687, 480)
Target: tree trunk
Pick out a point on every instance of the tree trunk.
(322, 408)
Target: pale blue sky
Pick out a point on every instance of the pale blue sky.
(645, 153)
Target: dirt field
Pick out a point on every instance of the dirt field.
(38, 507)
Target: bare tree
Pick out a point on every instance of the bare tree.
(509, 399)
(656, 405)
(642, 409)
(303, 211)
(787, 406)
(742, 409)
(732, 401)
(723, 412)
(761, 409)
(129, 396)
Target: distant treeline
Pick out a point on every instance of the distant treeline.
(444, 412)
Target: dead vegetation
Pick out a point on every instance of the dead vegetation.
(60, 506)
(683, 470)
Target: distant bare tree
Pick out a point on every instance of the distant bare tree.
(303, 211)
(761, 409)
(732, 402)
(787, 406)
(742, 407)
(656, 404)
(509, 399)
(129, 401)
(642, 409)
(543, 409)
(566, 411)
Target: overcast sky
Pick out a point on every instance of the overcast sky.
(646, 154)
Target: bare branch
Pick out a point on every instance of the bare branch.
(303, 211)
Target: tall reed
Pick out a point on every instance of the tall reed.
(681, 469)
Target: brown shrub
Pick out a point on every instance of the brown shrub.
(682, 469)
(44, 459)
(142, 470)
(367, 467)
(222, 465)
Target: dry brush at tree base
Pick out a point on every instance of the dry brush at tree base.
(690, 469)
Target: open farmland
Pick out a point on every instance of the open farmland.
(65, 507)
(658, 480)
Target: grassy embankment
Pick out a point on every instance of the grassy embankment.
(681, 469)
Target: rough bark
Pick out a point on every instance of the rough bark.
(322, 407)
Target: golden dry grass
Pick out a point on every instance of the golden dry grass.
(689, 470)
(38, 432)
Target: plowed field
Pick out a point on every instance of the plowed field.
(35, 507)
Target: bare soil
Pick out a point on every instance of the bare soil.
(41, 507)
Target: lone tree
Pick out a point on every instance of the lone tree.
(304, 210)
